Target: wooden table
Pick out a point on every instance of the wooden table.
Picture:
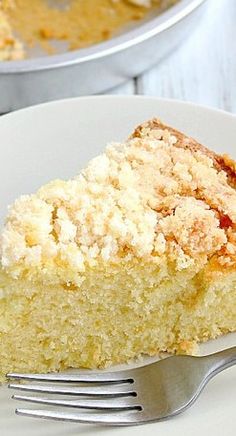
(202, 69)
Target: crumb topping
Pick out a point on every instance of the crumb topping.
(145, 198)
(10, 47)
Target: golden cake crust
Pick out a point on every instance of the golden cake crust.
(221, 162)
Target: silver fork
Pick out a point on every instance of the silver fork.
(151, 393)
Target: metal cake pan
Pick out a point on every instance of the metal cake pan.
(100, 67)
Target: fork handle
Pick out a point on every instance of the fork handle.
(217, 362)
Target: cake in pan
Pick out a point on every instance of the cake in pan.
(63, 25)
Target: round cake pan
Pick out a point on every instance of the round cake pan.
(100, 67)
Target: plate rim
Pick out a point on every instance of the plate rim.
(186, 103)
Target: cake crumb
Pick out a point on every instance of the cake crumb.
(143, 197)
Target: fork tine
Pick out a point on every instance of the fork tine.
(113, 418)
(122, 403)
(118, 376)
(111, 390)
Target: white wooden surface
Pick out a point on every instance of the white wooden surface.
(203, 68)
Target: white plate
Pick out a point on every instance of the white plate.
(56, 140)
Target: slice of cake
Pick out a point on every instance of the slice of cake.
(136, 255)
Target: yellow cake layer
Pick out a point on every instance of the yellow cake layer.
(121, 311)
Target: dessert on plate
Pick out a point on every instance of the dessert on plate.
(134, 256)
